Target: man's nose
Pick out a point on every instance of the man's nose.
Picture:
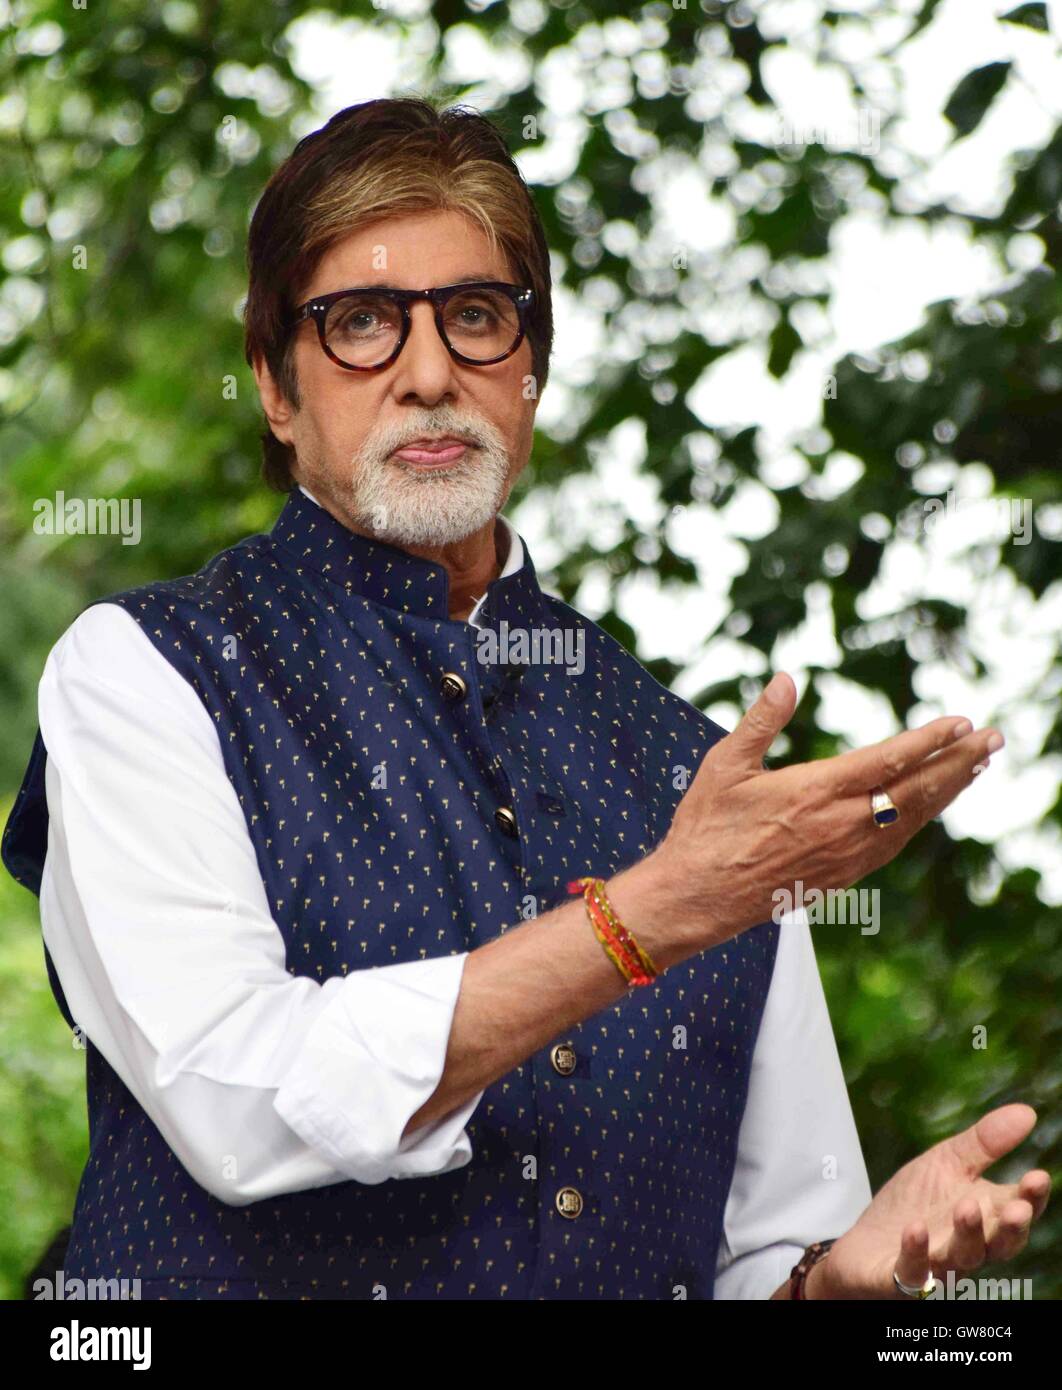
(424, 367)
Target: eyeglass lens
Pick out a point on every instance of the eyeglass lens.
(362, 329)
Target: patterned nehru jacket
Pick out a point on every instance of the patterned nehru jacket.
(599, 1172)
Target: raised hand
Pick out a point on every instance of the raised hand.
(741, 832)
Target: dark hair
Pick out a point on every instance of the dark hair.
(382, 158)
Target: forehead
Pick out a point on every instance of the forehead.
(414, 251)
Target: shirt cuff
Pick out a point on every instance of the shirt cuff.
(370, 1060)
(758, 1273)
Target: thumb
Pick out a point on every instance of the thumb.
(747, 746)
(993, 1135)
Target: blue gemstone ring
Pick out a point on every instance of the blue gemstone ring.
(883, 808)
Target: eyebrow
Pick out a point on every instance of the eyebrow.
(460, 280)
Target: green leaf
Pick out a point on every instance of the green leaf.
(974, 95)
(785, 341)
(1033, 16)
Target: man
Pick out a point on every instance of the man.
(311, 837)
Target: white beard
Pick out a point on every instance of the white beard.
(406, 506)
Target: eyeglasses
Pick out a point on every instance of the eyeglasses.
(365, 329)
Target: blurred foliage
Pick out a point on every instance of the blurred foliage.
(144, 133)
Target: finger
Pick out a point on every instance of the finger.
(933, 784)
(927, 790)
(912, 1265)
(1035, 1188)
(992, 1136)
(747, 746)
(887, 762)
(966, 1248)
(1009, 1233)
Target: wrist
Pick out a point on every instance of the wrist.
(817, 1283)
(831, 1277)
(645, 900)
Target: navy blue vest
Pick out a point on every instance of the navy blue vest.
(321, 657)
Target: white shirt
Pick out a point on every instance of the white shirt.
(156, 918)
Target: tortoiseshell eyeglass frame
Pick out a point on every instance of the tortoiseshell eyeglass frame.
(317, 309)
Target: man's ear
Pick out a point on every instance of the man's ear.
(278, 410)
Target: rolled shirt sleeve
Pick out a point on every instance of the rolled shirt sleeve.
(800, 1174)
(155, 915)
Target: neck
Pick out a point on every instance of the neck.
(472, 564)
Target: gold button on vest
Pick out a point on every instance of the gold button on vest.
(569, 1202)
(453, 686)
(563, 1058)
(506, 820)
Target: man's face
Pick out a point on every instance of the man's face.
(351, 423)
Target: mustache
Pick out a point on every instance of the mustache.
(473, 432)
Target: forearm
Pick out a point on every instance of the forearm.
(530, 984)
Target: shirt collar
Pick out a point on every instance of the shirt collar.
(386, 574)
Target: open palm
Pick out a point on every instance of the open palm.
(938, 1213)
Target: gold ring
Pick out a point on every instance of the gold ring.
(883, 808)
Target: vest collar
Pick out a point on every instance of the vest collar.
(384, 574)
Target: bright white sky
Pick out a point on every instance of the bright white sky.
(880, 276)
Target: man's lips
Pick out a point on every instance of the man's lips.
(432, 452)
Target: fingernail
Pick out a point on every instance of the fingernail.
(981, 767)
(995, 743)
(961, 729)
